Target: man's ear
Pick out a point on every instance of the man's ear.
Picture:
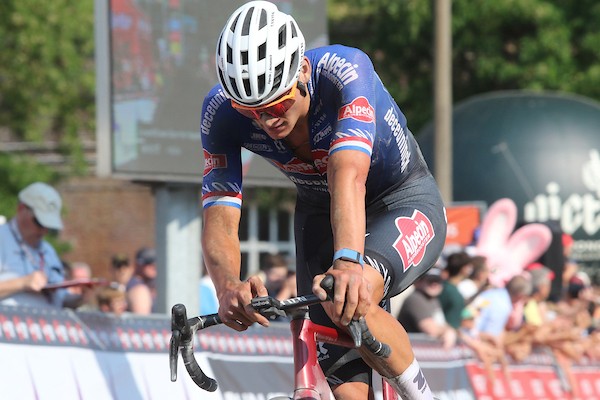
(305, 70)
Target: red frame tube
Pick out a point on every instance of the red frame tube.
(308, 376)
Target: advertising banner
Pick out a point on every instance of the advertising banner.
(62, 355)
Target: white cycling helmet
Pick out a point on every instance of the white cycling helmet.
(259, 54)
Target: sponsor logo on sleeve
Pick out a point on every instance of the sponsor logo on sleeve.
(359, 109)
(416, 232)
(213, 161)
(337, 69)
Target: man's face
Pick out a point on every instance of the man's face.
(280, 127)
(31, 230)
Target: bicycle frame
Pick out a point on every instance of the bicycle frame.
(309, 381)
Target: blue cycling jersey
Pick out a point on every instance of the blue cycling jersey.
(350, 110)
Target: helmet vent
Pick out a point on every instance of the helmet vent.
(234, 23)
(262, 51)
(234, 87)
(294, 60)
(263, 19)
(247, 87)
(261, 83)
(246, 26)
(294, 32)
(282, 36)
(244, 55)
(229, 54)
(276, 79)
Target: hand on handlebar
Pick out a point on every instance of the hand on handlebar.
(234, 304)
(352, 297)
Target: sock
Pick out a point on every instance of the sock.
(411, 384)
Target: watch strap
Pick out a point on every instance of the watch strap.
(349, 255)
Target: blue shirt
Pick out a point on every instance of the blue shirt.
(209, 304)
(18, 259)
(494, 307)
(350, 109)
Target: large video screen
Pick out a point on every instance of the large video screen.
(161, 64)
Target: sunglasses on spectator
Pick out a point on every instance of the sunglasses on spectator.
(276, 108)
(34, 219)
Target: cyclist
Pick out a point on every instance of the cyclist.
(368, 210)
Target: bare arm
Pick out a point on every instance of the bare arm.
(445, 333)
(140, 300)
(221, 250)
(347, 175)
(33, 282)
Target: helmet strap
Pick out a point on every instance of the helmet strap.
(302, 88)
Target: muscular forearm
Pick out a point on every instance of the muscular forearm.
(220, 246)
(346, 181)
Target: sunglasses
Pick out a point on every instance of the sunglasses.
(275, 109)
(34, 219)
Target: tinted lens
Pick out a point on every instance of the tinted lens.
(248, 113)
(275, 109)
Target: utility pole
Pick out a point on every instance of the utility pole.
(443, 98)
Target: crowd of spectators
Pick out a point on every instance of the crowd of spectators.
(32, 273)
(506, 324)
(453, 302)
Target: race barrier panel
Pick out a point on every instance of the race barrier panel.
(61, 354)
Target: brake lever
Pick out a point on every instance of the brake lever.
(267, 306)
(181, 332)
(354, 327)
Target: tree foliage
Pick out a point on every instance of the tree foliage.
(47, 71)
(497, 45)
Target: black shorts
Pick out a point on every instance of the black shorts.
(405, 234)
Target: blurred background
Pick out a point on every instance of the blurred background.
(48, 104)
(102, 99)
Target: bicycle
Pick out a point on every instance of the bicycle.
(309, 381)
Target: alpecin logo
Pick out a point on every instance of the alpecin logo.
(359, 109)
(213, 161)
(416, 232)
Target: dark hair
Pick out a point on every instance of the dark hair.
(456, 262)
(119, 260)
(479, 266)
(274, 260)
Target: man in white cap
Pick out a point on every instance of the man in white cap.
(27, 262)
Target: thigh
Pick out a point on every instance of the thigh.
(314, 252)
(314, 247)
(405, 237)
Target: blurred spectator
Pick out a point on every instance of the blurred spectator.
(27, 261)
(458, 268)
(77, 271)
(496, 306)
(280, 281)
(535, 311)
(494, 309)
(535, 329)
(488, 353)
(141, 288)
(477, 282)
(79, 296)
(111, 300)
(421, 310)
(122, 270)
(570, 267)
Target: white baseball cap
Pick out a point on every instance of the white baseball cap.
(45, 202)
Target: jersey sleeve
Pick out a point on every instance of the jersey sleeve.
(355, 78)
(222, 176)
